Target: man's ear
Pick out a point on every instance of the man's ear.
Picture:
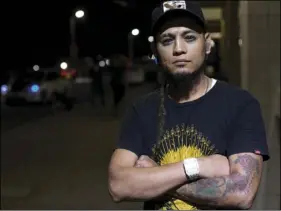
(209, 43)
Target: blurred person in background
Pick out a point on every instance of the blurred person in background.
(63, 93)
(96, 76)
(197, 143)
(118, 64)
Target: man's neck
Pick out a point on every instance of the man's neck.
(198, 89)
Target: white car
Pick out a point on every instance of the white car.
(35, 87)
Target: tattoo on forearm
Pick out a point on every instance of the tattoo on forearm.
(217, 190)
(250, 167)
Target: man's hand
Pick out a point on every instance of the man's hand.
(127, 182)
(213, 166)
(145, 162)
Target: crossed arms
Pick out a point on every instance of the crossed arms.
(224, 183)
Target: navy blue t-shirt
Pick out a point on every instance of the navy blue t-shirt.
(227, 120)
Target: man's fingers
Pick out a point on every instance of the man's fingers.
(139, 164)
(142, 157)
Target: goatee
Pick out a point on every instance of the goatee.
(181, 84)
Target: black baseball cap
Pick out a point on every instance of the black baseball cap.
(177, 7)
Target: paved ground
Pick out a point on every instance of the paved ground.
(12, 117)
(60, 162)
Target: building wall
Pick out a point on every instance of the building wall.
(260, 74)
(230, 63)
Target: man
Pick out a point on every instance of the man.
(197, 143)
(97, 81)
(61, 94)
(117, 83)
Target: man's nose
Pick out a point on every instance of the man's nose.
(179, 48)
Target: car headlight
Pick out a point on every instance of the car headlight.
(4, 89)
(34, 88)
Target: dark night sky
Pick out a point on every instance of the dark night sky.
(38, 32)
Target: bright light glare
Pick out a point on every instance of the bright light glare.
(63, 65)
(107, 62)
(34, 88)
(79, 14)
(150, 39)
(102, 63)
(36, 68)
(135, 32)
(4, 89)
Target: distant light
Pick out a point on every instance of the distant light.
(135, 32)
(34, 88)
(153, 57)
(79, 14)
(36, 67)
(107, 62)
(4, 89)
(150, 39)
(102, 63)
(63, 65)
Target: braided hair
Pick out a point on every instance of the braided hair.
(161, 117)
(161, 107)
(161, 110)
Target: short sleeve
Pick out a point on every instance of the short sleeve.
(248, 132)
(130, 137)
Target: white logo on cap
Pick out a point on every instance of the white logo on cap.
(170, 5)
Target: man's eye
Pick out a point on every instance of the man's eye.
(190, 38)
(166, 41)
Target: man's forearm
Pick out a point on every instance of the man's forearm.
(145, 183)
(227, 191)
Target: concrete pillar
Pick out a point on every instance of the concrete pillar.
(260, 74)
(230, 63)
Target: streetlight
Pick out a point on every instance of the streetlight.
(63, 65)
(102, 63)
(36, 67)
(150, 39)
(107, 62)
(131, 35)
(79, 14)
(72, 25)
(135, 32)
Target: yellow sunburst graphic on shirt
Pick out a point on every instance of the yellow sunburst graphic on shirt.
(176, 145)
